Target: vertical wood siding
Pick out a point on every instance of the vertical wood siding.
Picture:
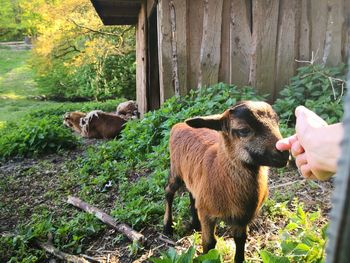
(246, 42)
(141, 60)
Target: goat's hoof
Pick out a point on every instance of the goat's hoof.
(196, 226)
(168, 231)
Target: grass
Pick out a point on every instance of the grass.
(16, 84)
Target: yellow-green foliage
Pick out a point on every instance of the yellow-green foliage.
(74, 54)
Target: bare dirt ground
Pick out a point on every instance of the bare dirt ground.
(28, 185)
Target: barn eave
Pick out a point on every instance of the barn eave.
(114, 12)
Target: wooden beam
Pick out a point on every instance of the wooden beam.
(332, 55)
(164, 51)
(178, 15)
(211, 38)
(141, 60)
(194, 33)
(224, 69)
(112, 21)
(287, 44)
(318, 18)
(263, 66)
(240, 42)
(304, 31)
(346, 32)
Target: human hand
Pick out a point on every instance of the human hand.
(315, 145)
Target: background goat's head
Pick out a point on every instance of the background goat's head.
(250, 131)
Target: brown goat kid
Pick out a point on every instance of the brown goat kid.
(222, 161)
(101, 125)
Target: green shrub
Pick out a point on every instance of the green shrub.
(70, 235)
(34, 137)
(171, 256)
(42, 131)
(317, 87)
(61, 108)
(112, 78)
(303, 239)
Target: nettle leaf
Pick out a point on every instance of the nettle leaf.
(291, 226)
(301, 250)
(187, 256)
(288, 246)
(268, 257)
(212, 256)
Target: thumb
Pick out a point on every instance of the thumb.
(286, 143)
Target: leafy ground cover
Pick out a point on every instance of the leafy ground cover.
(126, 177)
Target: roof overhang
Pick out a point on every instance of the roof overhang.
(114, 12)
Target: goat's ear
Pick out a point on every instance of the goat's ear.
(213, 122)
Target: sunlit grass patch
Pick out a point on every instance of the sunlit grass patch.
(11, 96)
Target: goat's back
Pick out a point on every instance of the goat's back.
(105, 125)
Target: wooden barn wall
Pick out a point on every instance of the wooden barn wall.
(246, 42)
(141, 60)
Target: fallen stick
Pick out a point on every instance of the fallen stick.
(166, 240)
(107, 219)
(285, 184)
(59, 254)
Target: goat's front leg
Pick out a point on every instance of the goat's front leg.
(208, 232)
(240, 237)
(174, 184)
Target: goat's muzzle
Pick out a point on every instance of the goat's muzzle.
(279, 159)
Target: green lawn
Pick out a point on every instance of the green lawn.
(16, 84)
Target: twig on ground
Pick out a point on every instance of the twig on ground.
(166, 240)
(59, 254)
(285, 184)
(107, 219)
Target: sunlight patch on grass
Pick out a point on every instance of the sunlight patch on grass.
(2, 124)
(11, 96)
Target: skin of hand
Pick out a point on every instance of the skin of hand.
(315, 145)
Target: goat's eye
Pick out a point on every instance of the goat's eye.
(243, 132)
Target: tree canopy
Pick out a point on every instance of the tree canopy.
(74, 54)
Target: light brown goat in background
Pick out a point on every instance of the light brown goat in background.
(128, 110)
(72, 120)
(222, 161)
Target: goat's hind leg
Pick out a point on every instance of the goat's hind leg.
(174, 183)
(195, 223)
(240, 237)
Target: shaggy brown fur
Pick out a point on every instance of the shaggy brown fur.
(222, 161)
(128, 110)
(101, 125)
(72, 120)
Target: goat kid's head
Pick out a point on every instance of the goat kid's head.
(250, 130)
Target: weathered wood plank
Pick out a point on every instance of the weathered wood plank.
(224, 69)
(164, 51)
(346, 31)
(195, 30)
(240, 42)
(211, 38)
(150, 5)
(141, 60)
(304, 31)
(333, 43)
(153, 91)
(318, 18)
(178, 14)
(286, 43)
(263, 67)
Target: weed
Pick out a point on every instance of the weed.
(303, 239)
